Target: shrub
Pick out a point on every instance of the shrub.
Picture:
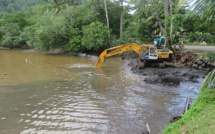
(210, 56)
(74, 45)
(95, 36)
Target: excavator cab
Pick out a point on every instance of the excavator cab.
(150, 52)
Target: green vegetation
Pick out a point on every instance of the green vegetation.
(200, 118)
(95, 36)
(14, 6)
(210, 56)
(93, 25)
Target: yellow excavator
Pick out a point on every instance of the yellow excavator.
(149, 55)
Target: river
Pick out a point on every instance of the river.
(50, 94)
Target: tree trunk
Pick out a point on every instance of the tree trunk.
(121, 19)
(163, 30)
(166, 5)
(106, 14)
(164, 33)
(171, 21)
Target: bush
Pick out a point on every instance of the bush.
(47, 33)
(95, 36)
(11, 27)
(74, 45)
(200, 37)
(10, 35)
(210, 56)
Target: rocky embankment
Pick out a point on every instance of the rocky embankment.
(189, 59)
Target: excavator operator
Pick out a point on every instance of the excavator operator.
(146, 53)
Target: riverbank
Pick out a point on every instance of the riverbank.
(200, 118)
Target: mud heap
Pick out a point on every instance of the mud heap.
(188, 69)
(169, 76)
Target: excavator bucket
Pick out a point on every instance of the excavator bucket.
(101, 59)
(99, 63)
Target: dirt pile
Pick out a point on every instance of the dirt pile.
(187, 59)
(169, 76)
(186, 68)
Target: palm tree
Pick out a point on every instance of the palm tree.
(57, 5)
(121, 18)
(203, 8)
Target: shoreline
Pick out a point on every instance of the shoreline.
(200, 118)
(162, 76)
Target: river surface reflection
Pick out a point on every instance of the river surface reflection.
(47, 94)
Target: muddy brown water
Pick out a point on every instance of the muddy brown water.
(47, 94)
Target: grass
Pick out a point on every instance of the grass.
(200, 118)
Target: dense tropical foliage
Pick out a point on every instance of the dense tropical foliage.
(92, 25)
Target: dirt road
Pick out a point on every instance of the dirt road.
(201, 48)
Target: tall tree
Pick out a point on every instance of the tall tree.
(164, 32)
(166, 13)
(121, 18)
(106, 13)
(55, 4)
(171, 22)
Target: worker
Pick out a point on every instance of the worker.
(180, 44)
(146, 53)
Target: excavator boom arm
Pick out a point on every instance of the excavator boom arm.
(117, 50)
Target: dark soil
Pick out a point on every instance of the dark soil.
(168, 76)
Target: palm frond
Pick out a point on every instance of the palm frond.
(179, 4)
(204, 9)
